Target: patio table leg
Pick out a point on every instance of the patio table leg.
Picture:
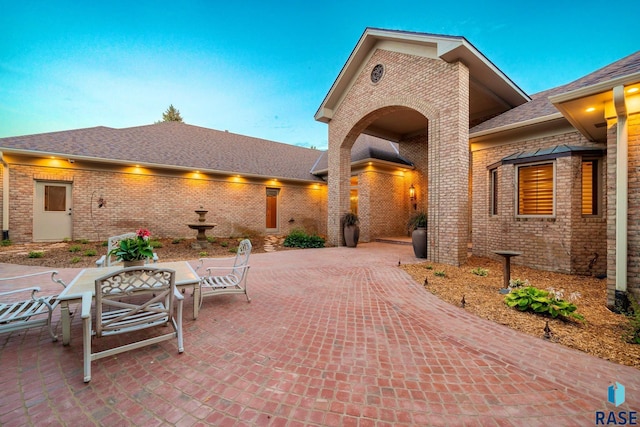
(65, 316)
(196, 300)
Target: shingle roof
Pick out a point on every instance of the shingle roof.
(540, 106)
(368, 147)
(176, 144)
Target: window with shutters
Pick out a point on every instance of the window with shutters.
(536, 190)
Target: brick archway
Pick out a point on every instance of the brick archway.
(437, 90)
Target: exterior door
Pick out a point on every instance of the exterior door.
(272, 209)
(52, 212)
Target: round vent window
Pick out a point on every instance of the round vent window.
(377, 72)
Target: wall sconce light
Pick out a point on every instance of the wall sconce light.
(412, 196)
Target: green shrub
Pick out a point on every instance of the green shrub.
(211, 239)
(203, 254)
(177, 240)
(224, 244)
(633, 333)
(518, 283)
(75, 248)
(300, 239)
(6, 242)
(429, 267)
(155, 244)
(36, 254)
(90, 252)
(105, 243)
(479, 271)
(75, 260)
(233, 250)
(83, 241)
(440, 273)
(542, 302)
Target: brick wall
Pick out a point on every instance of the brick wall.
(440, 92)
(165, 203)
(381, 204)
(633, 218)
(566, 243)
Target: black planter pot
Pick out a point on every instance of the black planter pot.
(351, 235)
(419, 241)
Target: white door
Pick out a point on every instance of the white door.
(52, 212)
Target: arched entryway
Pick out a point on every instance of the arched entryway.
(425, 117)
(423, 91)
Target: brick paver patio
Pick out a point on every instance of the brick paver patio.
(336, 336)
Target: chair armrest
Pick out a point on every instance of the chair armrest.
(15, 291)
(100, 262)
(60, 281)
(87, 297)
(52, 272)
(178, 294)
(155, 257)
(238, 267)
(201, 261)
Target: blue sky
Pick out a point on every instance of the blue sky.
(262, 68)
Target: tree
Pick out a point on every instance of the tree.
(172, 115)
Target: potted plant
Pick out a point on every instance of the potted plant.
(135, 250)
(417, 225)
(351, 229)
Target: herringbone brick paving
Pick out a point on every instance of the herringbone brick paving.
(335, 336)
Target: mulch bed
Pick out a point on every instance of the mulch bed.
(601, 335)
(84, 254)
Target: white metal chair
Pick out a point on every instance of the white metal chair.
(226, 280)
(129, 300)
(17, 312)
(113, 241)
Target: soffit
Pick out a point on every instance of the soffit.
(588, 108)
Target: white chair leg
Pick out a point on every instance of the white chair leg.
(179, 327)
(86, 344)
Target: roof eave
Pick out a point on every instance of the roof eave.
(362, 162)
(31, 153)
(515, 126)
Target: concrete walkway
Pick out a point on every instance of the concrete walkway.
(337, 337)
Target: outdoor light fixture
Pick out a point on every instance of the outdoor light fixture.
(412, 196)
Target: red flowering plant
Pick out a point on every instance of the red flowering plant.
(135, 248)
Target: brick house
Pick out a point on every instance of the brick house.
(491, 166)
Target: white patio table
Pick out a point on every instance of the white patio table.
(85, 281)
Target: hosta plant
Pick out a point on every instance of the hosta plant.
(540, 301)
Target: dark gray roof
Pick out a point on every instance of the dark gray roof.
(368, 147)
(552, 153)
(540, 106)
(175, 144)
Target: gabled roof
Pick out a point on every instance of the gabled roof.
(540, 108)
(173, 145)
(367, 148)
(491, 91)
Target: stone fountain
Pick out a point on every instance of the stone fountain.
(201, 239)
